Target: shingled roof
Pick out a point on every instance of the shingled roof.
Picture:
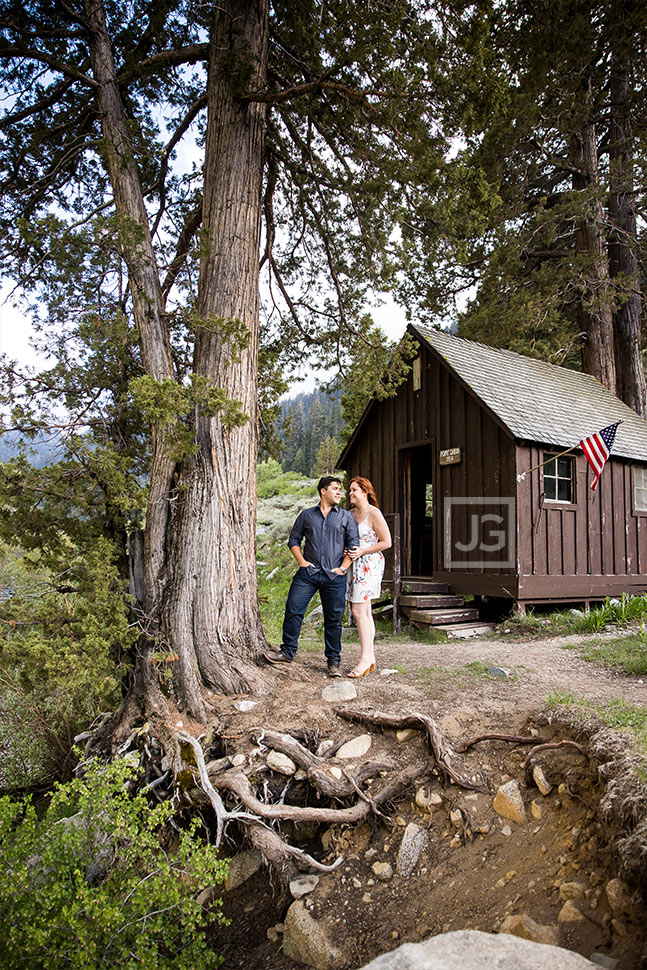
(537, 401)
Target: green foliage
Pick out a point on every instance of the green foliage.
(272, 480)
(169, 404)
(89, 884)
(615, 713)
(327, 455)
(620, 612)
(377, 369)
(64, 646)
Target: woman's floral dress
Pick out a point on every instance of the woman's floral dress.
(365, 573)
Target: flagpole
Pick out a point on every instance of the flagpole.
(522, 476)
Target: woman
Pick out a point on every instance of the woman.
(366, 570)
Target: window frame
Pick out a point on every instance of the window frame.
(567, 503)
(634, 486)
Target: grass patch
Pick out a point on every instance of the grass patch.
(617, 612)
(463, 676)
(627, 654)
(615, 713)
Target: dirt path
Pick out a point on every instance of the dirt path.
(470, 882)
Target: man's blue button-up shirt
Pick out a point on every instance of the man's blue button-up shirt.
(325, 537)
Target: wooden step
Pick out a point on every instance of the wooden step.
(463, 631)
(431, 601)
(426, 618)
(413, 584)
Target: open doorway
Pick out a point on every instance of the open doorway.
(417, 510)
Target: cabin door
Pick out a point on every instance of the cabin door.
(417, 510)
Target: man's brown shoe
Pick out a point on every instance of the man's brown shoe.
(333, 670)
(277, 658)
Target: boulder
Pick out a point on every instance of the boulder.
(307, 941)
(508, 802)
(355, 748)
(345, 691)
(618, 896)
(413, 842)
(474, 950)
(241, 867)
(525, 928)
(280, 762)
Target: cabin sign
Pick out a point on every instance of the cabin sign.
(450, 456)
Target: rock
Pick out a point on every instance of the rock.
(324, 746)
(619, 927)
(428, 801)
(355, 748)
(382, 871)
(536, 809)
(603, 960)
(405, 734)
(273, 932)
(345, 691)
(525, 928)
(243, 706)
(281, 763)
(241, 867)
(507, 831)
(413, 842)
(456, 818)
(303, 885)
(569, 913)
(388, 672)
(619, 897)
(540, 781)
(273, 573)
(307, 941)
(509, 803)
(571, 890)
(474, 950)
(336, 772)
(238, 760)
(499, 672)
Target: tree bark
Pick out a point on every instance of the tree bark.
(623, 262)
(148, 311)
(594, 309)
(211, 612)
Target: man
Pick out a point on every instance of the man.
(328, 531)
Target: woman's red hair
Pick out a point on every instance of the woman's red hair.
(366, 487)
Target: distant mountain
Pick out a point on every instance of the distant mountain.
(43, 450)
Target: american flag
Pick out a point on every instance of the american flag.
(597, 449)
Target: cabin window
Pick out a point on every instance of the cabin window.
(640, 489)
(417, 374)
(558, 479)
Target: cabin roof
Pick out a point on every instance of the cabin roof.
(538, 401)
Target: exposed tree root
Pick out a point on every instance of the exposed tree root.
(512, 738)
(439, 747)
(547, 746)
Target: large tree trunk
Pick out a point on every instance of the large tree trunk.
(211, 610)
(148, 311)
(623, 263)
(594, 310)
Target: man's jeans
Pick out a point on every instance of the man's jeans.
(305, 584)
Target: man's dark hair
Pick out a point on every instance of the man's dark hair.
(326, 481)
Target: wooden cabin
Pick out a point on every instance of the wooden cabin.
(453, 458)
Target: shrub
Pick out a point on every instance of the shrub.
(62, 656)
(89, 885)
